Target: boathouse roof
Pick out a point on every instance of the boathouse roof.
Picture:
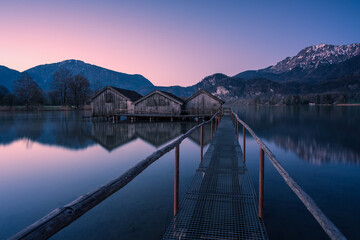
(163, 93)
(173, 96)
(129, 94)
(207, 93)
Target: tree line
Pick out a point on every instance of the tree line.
(66, 89)
(315, 98)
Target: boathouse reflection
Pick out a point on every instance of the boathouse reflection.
(158, 133)
(111, 136)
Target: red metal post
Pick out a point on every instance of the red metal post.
(261, 184)
(201, 142)
(244, 143)
(237, 130)
(176, 180)
(234, 126)
(216, 123)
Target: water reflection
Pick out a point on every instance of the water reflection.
(68, 130)
(111, 136)
(44, 178)
(159, 133)
(48, 173)
(316, 134)
(195, 136)
(49, 128)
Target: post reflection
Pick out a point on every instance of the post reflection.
(176, 180)
(201, 142)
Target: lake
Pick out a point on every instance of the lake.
(48, 159)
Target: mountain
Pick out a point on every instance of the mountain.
(7, 76)
(232, 88)
(336, 79)
(229, 88)
(312, 64)
(311, 57)
(43, 75)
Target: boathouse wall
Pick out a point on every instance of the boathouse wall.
(158, 103)
(203, 103)
(109, 101)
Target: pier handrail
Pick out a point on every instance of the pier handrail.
(329, 227)
(61, 217)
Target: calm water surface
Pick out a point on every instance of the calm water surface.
(49, 159)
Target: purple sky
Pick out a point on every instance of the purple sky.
(171, 42)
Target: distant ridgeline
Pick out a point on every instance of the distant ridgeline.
(317, 74)
(322, 74)
(43, 75)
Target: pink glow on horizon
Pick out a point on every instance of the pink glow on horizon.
(112, 39)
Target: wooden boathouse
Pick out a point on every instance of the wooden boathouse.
(111, 100)
(114, 103)
(203, 103)
(159, 102)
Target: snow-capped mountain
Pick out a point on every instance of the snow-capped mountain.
(314, 56)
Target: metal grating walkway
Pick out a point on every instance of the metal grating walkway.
(221, 202)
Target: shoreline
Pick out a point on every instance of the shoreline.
(348, 104)
(40, 108)
(88, 107)
(281, 105)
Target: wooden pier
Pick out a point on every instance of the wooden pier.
(186, 115)
(221, 202)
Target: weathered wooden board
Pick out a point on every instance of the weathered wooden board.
(105, 103)
(157, 103)
(202, 103)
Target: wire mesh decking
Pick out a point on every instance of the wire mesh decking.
(221, 202)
